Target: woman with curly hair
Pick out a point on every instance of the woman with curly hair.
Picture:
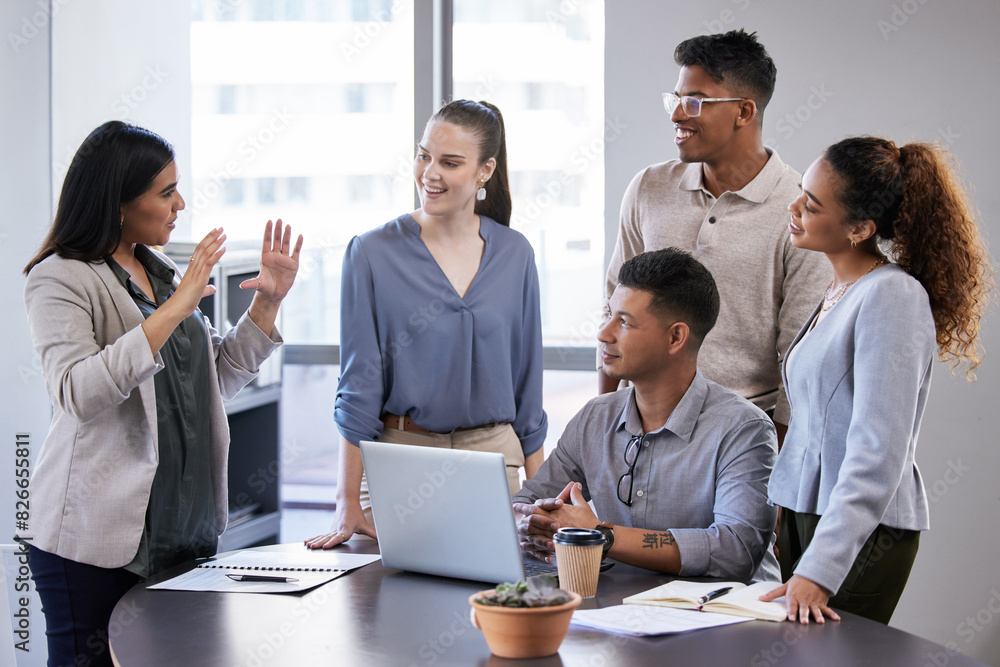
(858, 374)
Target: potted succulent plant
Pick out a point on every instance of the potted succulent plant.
(527, 619)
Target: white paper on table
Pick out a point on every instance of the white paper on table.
(309, 568)
(642, 620)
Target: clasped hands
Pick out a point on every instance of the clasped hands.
(538, 522)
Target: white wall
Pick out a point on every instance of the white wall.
(121, 60)
(909, 70)
(24, 189)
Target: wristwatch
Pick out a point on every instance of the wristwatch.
(607, 529)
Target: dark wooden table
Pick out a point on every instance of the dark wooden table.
(380, 616)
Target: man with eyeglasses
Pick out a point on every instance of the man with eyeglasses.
(725, 200)
(676, 465)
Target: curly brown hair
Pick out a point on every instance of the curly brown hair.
(919, 207)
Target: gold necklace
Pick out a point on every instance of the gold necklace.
(831, 301)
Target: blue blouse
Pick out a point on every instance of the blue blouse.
(410, 345)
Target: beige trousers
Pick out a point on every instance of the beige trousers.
(494, 438)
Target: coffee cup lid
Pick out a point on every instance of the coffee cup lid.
(579, 537)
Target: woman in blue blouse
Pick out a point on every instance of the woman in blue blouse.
(441, 341)
(853, 502)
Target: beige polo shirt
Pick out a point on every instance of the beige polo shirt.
(767, 287)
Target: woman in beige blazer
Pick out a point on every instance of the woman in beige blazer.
(131, 478)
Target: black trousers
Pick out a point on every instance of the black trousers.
(877, 576)
(77, 601)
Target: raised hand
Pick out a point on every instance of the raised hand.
(194, 286)
(279, 263)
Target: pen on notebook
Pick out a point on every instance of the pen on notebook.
(714, 594)
(261, 577)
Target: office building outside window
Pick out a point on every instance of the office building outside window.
(302, 109)
(542, 64)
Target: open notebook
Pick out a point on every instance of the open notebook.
(740, 601)
(303, 569)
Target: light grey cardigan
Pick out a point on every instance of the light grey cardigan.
(93, 475)
(857, 385)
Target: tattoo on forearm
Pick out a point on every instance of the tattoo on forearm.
(657, 540)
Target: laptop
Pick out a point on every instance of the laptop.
(445, 512)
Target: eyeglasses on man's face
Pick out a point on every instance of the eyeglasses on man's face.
(625, 481)
(692, 105)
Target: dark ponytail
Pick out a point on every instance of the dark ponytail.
(115, 164)
(486, 122)
(919, 207)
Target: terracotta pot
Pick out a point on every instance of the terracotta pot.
(523, 632)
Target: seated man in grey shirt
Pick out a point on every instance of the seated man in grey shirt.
(676, 465)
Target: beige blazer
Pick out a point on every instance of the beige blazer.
(94, 472)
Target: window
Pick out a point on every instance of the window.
(304, 109)
(234, 192)
(550, 89)
(267, 190)
(301, 109)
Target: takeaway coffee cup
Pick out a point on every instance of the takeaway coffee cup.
(578, 559)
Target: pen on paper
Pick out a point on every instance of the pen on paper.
(714, 594)
(261, 577)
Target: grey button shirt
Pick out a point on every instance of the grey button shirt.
(702, 476)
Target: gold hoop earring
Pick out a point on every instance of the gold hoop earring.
(854, 245)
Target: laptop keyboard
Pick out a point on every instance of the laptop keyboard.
(533, 567)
